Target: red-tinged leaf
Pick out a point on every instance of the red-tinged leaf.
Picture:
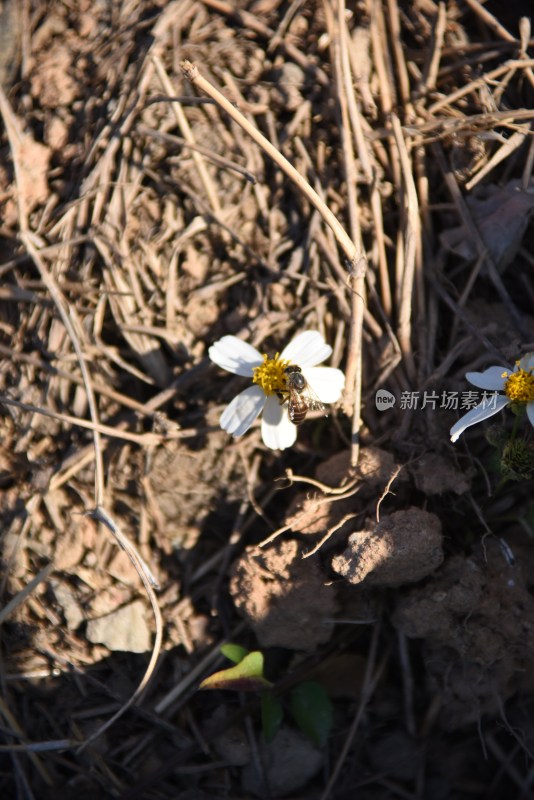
(247, 676)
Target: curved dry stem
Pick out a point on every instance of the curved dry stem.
(149, 582)
(323, 487)
(32, 243)
(69, 320)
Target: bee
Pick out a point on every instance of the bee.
(299, 395)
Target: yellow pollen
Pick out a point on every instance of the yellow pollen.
(519, 387)
(270, 375)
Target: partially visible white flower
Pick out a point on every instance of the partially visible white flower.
(270, 383)
(517, 385)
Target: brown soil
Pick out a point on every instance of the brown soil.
(139, 223)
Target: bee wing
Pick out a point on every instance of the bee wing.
(314, 404)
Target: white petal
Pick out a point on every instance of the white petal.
(491, 378)
(527, 362)
(530, 411)
(235, 355)
(277, 431)
(307, 349)
(477, 414)
(239, 415)
(326, 382)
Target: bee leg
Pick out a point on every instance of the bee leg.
(281, 398)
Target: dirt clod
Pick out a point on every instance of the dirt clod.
(435, 474)
(402, 548)
(284, 598)
(316, 512)
(475, 618)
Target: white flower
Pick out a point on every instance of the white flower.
(269, 390)
(517, 385)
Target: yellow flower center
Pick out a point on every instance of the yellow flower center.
(519, 387)
(270, 375)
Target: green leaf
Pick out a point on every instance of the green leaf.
(272, 715)
(247, 676)
(312, 711)
(234, 652)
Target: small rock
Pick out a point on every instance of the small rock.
(232, 744)
(288, 81)
(125, 629)
(289, 762)
(70, 607)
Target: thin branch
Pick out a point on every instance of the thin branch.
(21, 596)
(142, 439)
(352, 253)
